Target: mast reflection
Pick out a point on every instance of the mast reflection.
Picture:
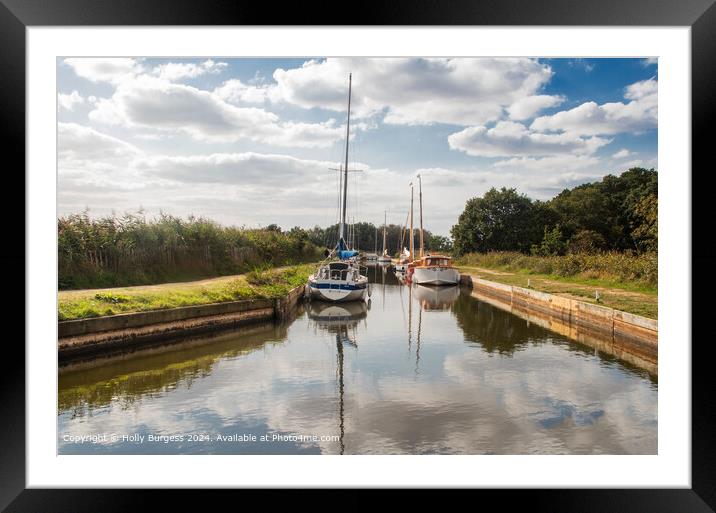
(341, 319)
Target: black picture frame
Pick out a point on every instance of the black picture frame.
(700, 15)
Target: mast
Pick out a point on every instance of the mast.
(422, 244)
(412, 237)
(385, 223)
(376, 240)
(402, 233)
(345, 169)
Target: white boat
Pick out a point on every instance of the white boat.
(431, 269)
(338, 281)
(339, 278)
(435, 270)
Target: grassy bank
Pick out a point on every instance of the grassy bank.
(629, 292)
(80, 304)
(631, 272)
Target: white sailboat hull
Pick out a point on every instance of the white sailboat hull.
(337, 290)
(337, 294)
(436, 276)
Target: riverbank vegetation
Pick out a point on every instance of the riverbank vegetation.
(635, 271)
(132, 250)
(257, 284)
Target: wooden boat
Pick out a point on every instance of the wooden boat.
(431, 269)
(434, 270)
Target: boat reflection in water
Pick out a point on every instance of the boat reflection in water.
(341, 319)
(338, 318)
(436, 298)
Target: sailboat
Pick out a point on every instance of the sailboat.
(385, 257)
(431, 269)
(338, 278)
(406, 256)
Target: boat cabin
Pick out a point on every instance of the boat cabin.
(436, 261)
(338, 271)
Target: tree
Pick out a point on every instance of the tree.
(501, 220)
(645, 218)
(440, 243)
(607, 208)
(586, 241)
(552, 243)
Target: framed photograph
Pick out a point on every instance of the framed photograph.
(418, 251)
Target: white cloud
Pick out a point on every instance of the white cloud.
(149, 102)
(623, 153)
(68, 101)
(235, 91)
(110, 69)
(459, 91)
(650, 61)
(635, 116)
(644, 90)
(527, 107)
(511, 139)
(560, 163)
(173, 71)
(249, 169)
(78, 144)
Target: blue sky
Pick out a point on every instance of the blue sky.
(250, 141)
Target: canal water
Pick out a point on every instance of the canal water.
(418, 370)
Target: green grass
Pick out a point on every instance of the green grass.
(635, 298)
(625, 282)
(260, 283)
(633, 272)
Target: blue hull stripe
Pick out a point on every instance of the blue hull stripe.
(336, 287)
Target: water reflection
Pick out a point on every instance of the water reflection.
(436, 297)
(124, 380)
(494, 329)
(341, 319)
(418, 371)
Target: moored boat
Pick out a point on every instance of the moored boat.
(431, 269)
(339, 278)
(434, 270)
(338, 281)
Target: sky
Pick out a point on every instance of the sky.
(251, 142)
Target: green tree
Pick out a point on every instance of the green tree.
(501, 220)
(645, 220)
(440, 243)
(552, 243)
